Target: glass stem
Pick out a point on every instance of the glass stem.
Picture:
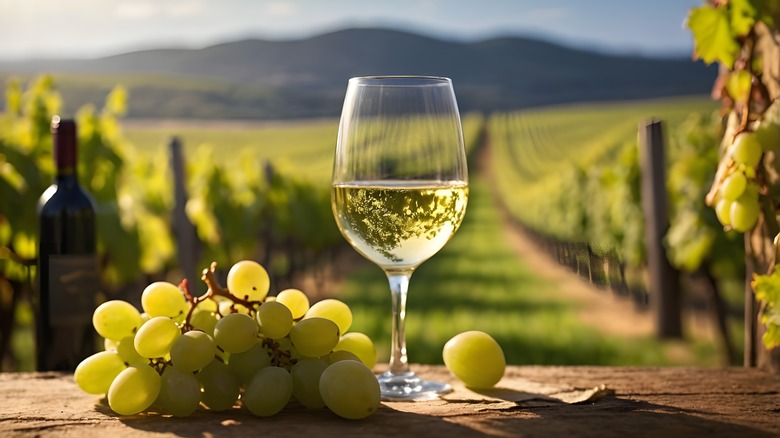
(399, 285)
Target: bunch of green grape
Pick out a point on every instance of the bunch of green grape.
(736, 204)
(233, 346)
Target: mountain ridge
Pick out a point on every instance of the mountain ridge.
(307, 77)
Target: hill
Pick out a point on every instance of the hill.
(307, 77)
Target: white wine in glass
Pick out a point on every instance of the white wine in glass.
(400, 189)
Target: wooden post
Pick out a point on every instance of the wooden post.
(187, 242)
(663, 279)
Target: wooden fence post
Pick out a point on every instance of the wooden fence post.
(663, 279)
(187, 242)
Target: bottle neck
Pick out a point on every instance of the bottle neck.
(66, 177)
(64, 142)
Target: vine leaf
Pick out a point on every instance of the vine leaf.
(767, 289)
(743, 16)
(712, 35)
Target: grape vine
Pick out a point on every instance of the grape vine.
(743, 36)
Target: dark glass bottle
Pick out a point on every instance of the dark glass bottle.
(68, 278)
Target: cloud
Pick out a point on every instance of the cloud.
(186, 8)
(282, 9)
(136, 10)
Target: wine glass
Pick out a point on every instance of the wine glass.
(400, 189)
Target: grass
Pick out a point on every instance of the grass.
(477, 282)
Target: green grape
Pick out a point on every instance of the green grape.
(723, 211)
(314, 337)
(219, 386)
(733, 186)
(126, 351)
(109, 344)
(208, 305)
(236, 332)
(334, 310)
(245, 365)
(268, 392)
(295, 300)
(360, 345)
(306, 382)
(275, 320)
(116, 319)
(248, 279)
(179, 392)
(95, 373)
(163, 299)
(134, 390)
(350, 390)
(746, 149)
(204, 320)
(744, 213)
(155, 338)
(192, 351)
(336, 356)
(227, 307)
(475, 358)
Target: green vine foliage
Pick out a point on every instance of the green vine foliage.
(726, 32)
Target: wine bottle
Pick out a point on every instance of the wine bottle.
(68, 276)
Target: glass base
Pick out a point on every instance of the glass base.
(408, 387)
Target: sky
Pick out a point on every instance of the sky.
(94, 28)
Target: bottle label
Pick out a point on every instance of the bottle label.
(73, 286)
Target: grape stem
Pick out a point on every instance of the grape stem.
(215, 289)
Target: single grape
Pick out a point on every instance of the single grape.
(744, 213)
(116, 319)
(268, 392)
(360, 345)
(179, 392)
(95, 373)
(314, 337)
(134, 390)
(209, 305)
(245, 365)
(192, 351)
(295, 300)
(219, 386)
(350, 389)
(733, 186)
(226, 307)
(109, 344)
(746, 149)
(236, 332)
(155, 338)
(342, 355)
(248, 279)
(475, 358)
(126, 351)
(306, 382)
(275, 320)
(204, 320)
(163, 299)
(723, 211)
(334, 310)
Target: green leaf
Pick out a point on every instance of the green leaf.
(743, 16)
(712, 35)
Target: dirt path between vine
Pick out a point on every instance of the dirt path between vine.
(608, 313)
